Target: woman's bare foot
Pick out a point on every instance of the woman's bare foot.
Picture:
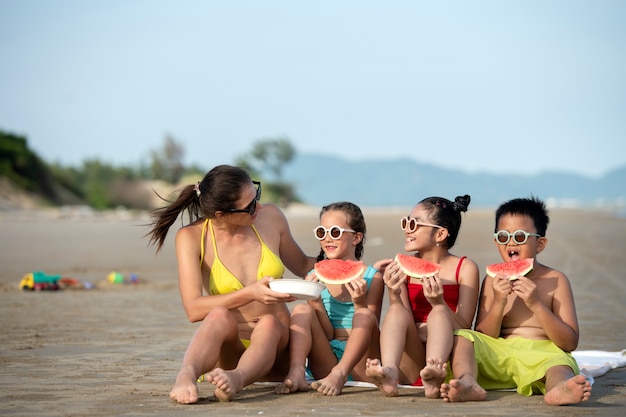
(573, 391)
(332, 384)
(463, 389)
(185, 389)
(385, 378)
(227, 383)
(292, 384)
(433, 375)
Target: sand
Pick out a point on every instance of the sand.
(115, 350)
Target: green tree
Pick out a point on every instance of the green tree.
(167, 162)
(267, 158)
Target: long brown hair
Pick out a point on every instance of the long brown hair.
(219, 190)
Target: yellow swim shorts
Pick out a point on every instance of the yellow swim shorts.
(515, 362)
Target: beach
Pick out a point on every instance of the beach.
(115, 349)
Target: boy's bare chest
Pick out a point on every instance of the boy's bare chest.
(520, 320)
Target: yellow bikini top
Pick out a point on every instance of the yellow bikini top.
(222, 281)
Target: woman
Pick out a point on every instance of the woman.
(226, 257)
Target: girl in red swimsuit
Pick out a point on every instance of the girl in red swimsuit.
(417, 332)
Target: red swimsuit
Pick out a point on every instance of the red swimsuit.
(421, 307)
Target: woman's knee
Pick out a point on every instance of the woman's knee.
(270, 322)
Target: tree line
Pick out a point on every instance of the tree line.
(103, 185)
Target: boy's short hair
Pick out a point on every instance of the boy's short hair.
(532, 207)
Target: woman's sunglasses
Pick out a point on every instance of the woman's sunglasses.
(335, 232)
(519, 236)
(250, 208)
(409, 224)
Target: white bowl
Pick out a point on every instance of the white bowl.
(299, 288)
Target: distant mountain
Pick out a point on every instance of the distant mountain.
(321, 179)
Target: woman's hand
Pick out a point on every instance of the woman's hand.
(264, 294)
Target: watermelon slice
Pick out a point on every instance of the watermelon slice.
(512, 269)
(416, 267)
(338, 271)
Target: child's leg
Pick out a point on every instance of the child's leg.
(358, 343)
(204, 350)
(563, 387)
(464, 387)
(300, 340)
(267, 338)
(401, 352)
(438, 348)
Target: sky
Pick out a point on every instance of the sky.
(482, 86)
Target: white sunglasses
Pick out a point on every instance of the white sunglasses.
(335, 232)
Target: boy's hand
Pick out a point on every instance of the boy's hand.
(502, 287)
(526, 289)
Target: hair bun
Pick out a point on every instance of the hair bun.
(461, 203)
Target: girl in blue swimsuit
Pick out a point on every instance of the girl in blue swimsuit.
(337, 332)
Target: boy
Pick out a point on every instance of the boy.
(525, 327)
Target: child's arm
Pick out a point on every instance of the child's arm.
(375, 295)
(558, 320)
(468, 294)
(493, 298)
(320, 311)
(322, 316)
(395, 281)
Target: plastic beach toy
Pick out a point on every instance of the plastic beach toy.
(115, 278)
(39, 280)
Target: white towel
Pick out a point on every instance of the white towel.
(597, 362)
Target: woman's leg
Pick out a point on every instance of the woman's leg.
(219, 328)
(268, 337)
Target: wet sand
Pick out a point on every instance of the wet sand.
(116, 349)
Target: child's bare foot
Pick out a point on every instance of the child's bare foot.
(332, 384)
(185, 389)
(463, 389)
(292, 384)
(433, 375)
(227, 383)
(385, 378)
(573, 391)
